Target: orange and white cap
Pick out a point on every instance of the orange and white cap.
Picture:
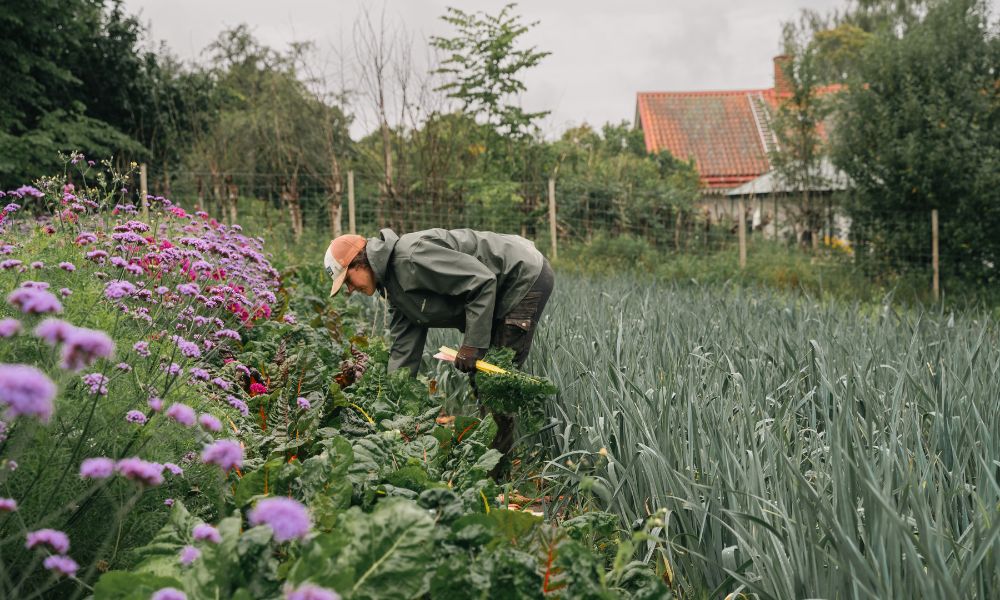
(338, 256)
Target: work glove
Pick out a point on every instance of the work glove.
(465, 360)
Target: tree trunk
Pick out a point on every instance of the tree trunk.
(290, 197)
(217, 190)
(200, 187)
(232, 195)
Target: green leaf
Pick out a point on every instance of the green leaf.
(258, 481)
(387, 553)
(122, 585)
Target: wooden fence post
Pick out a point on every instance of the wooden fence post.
(351, 224)
(742, 225)
(143, 192)
(552, 216)
(936, 286)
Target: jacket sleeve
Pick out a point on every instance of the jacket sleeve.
(445, 271)
(407, 343)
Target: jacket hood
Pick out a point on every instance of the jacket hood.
(379, 251)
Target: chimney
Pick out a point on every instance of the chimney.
(782, 86)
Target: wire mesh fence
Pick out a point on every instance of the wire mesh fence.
(879, 243)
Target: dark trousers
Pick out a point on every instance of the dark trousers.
(516, 330)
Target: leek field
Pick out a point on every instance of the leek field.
(797, 449)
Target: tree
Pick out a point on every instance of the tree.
(486, 66)
(918, 129)
(53, 51)
(799, 119)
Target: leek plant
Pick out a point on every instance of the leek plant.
(800, 449)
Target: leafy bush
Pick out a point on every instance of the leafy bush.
(514, 392)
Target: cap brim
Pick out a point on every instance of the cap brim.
(338, 283)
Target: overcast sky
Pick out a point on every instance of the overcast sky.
(603, 52)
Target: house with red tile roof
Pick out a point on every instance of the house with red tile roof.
(728, 133)
(730, 136)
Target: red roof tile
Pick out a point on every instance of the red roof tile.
(717, 130)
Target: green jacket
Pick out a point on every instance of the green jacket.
(456, 278)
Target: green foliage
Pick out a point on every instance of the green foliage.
(918, 130)
(80, 81)
(487, 67)
(609, 185)
(515, 392)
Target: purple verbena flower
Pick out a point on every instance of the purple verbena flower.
(238, 405)
(53, 538)
(129, 237)
(84, 346)
(97, 383)
(118, 289)
(139, 470)
(65, 292)
(187, 289)
(187, 348)
(222, 383)
(26, 391)
(53, 331)
(135, 416)
(10, 263)
(37, 265)
(141, 348)
(289, 318)
(209, 423)
(168, 502)
(8, 505)
(173, 369)
(303, 403)
(61, 564)
(207, 533)
(189, 554)
(227, 454)
(28, 190)
(199, 374)
(182, 414)
(155, 403)
(227, 333)
(168, 593)
(34, 301)
(288, 518)
(124, 366)
(85, 238)
(309, 591)
(174, 469)
(97, 468)
(67, 266)
(9, 327)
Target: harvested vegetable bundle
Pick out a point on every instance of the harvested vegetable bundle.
(514, 392)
